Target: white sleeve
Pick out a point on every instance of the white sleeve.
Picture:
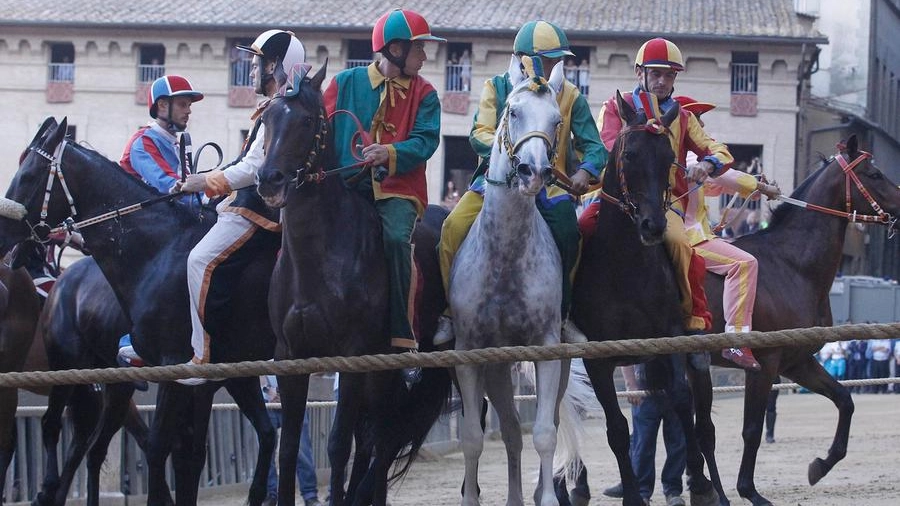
(243, 173)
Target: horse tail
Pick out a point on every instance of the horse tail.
(578, 403)
(406, 424)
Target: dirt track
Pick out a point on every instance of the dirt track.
(868, 476)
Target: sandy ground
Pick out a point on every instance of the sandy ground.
(868, 476)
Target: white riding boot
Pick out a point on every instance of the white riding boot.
(444, 333)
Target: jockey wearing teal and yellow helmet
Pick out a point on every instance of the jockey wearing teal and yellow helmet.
(544, 40)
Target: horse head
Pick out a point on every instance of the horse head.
(874, 192)
(30, 199)
(641, 157)
(525, 147)
(296, 131)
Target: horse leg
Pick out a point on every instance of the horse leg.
(293, 391)
(498, 385)
(51, 427)
(544, 433)
(701, 489)
(701, 388)
(601, 373)
(757, 387)
(247, 395)
(116, 403)
(171, 401)
(813, 376)
(8, 433)
(135, 426)
(85, 408)
(471, 390)
(340, 440)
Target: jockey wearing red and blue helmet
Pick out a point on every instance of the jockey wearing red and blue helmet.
(166, 88)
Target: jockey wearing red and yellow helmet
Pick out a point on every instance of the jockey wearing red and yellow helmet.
(657, 64)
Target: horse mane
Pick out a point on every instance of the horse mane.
(133, 187)
(781, 212)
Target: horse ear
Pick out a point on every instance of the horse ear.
(557, 78)
(626, 112)
(852, 146)
(319, 77)
(516, 75)
(59, 133)
(671, 115)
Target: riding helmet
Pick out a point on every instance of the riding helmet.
(170, 86)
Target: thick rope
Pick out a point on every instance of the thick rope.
(813, 338)
(24, 411)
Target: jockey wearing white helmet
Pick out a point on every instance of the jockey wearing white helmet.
(245, 223)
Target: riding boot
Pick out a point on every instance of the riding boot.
(571, 333)
(411, 375)
(742, 357)
(444, 334)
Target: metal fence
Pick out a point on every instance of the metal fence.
(231, 452)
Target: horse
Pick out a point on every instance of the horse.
(19, 308)
(625, 287)
(517, 299)
(331, 299)
(144, 263)
(799, 255)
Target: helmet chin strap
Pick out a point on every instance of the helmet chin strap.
(400, 61)
(171, 125)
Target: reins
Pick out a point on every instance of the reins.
(881, 217)
(42, 232)
(360, 137)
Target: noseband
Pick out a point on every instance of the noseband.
(511, 148)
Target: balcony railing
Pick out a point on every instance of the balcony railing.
(150, 73)
(744, 78)
(61, 72)
(459, 77)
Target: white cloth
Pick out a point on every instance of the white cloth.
(229, 231)
(243, 173)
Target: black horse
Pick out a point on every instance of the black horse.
(143, 256)
(625, 288)
(331, 299)
(799, 255)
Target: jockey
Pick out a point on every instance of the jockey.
(245, 224)
(401, 111)
(656, 66)
(544, 40)
(152, 152)
(721, 257)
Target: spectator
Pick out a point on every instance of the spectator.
(465, 70)
(880, 365)
(584, 77)
(856, 362)
(833, 356)
(451, 196)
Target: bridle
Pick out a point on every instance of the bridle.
(625, 203)
(511, 148)
(849, 213)
(43, 233)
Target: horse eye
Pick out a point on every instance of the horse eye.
(875, 175)
(630, 156)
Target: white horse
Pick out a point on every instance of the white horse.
(505, 283)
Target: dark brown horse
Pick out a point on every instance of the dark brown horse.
(144, 263)
(799, 255)
(19, 308)
(331, 299)
(625, 288)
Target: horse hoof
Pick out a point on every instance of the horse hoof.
(817, 470)
(708, 498)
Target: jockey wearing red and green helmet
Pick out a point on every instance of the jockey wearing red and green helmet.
(401, 27)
